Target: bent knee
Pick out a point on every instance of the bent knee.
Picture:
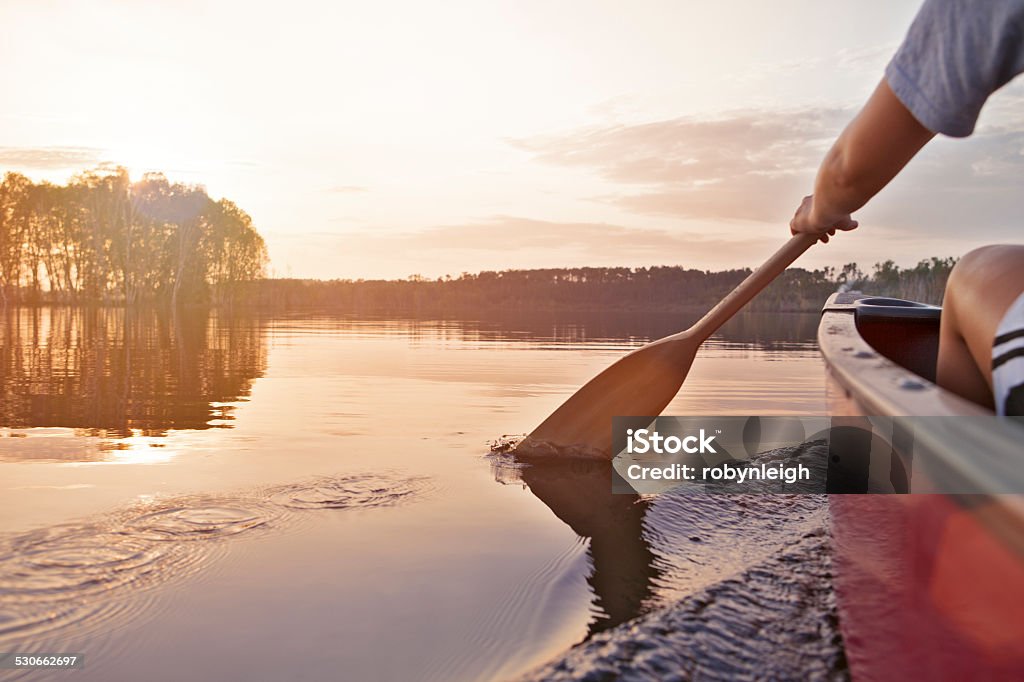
(981, 270)
(975, 263)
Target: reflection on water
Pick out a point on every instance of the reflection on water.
(579, 492)
(775, 620)
(120, 373)
(760, 331)
(131, 377)
(646, 551)
(113, 477)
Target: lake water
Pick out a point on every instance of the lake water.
(313, 497)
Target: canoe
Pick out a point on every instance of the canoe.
(929, 585)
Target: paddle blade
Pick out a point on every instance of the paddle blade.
(640, 384)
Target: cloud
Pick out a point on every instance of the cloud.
(49, 158)
(756, 165)
(746, 165)
(688, 151)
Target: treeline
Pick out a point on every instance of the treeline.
(104, 239)
(667, 288)
(101, 238)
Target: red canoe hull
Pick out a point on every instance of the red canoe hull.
(927, 588)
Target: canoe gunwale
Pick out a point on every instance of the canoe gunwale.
(979, 453)
(878, 384)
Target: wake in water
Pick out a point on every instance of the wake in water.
(776, 620)
(690, 584)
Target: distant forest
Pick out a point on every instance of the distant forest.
(103, 239)
(663, 288)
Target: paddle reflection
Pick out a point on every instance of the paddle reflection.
(579, 493)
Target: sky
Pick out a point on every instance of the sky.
(391, 138)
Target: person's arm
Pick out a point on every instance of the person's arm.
(875, 146)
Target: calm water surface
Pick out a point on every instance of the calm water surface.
(300, 498)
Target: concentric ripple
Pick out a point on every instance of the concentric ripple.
(200, 522)
(362, 492)
(88, 563)
(69, 577)
(75, 580)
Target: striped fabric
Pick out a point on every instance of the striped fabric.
(1008, 361)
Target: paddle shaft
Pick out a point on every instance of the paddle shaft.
(645, 381)
(751, 286)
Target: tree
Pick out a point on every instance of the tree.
(238, 253)
(15, 213)
(102, 238)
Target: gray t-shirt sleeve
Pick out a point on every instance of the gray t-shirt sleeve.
(956, 54)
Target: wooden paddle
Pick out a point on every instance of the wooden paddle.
(645, 381)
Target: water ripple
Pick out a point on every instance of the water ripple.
(777, 620)
(69, 577)
(75, 580)
(199, 522)
(366, 491)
